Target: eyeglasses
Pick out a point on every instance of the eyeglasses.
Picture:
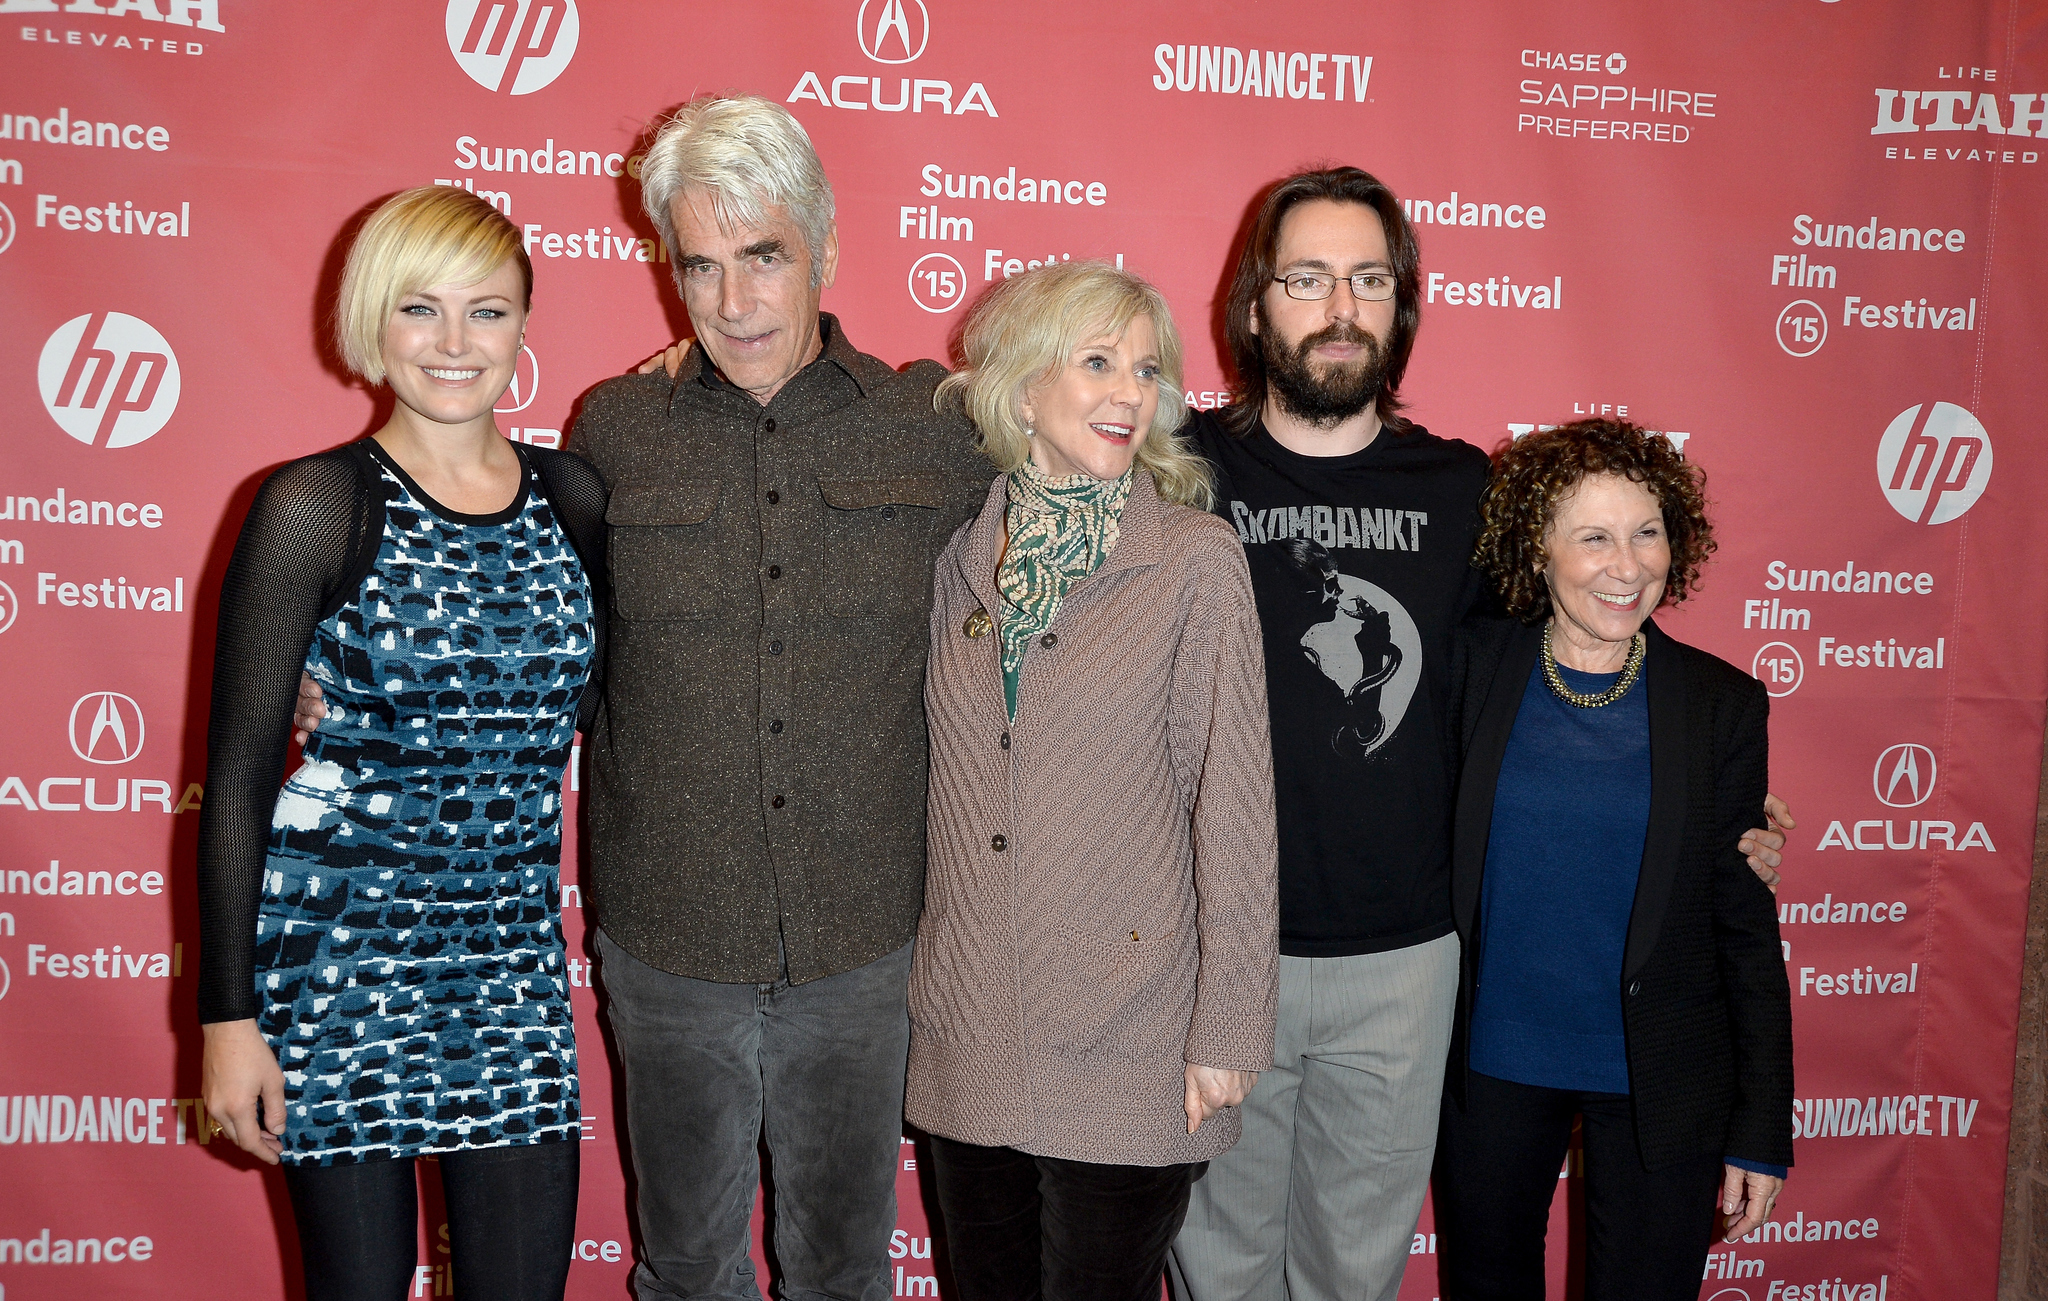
(1313, 286)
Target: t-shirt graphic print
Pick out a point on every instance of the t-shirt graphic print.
(1360, 566)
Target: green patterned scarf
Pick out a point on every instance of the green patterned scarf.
(1060, 529)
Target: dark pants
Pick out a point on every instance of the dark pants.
(511, 1223)
(1497, 1162)
(1025, 1228)
(712, 1070)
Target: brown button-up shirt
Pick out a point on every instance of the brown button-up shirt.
(758, 766)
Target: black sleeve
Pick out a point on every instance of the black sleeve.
(1746, 941)
(293, 556)
(578, 497)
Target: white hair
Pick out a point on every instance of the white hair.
(746, 154)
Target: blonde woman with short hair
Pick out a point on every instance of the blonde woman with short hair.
(381, 974)
(1093, 987)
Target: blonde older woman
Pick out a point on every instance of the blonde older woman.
(381, 972)
(1094, 982)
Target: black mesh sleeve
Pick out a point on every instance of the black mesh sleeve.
(294, 554)
(578, 497)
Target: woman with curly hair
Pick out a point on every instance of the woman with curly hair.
(1621, 962)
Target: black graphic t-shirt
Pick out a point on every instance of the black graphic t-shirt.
(1360, 566)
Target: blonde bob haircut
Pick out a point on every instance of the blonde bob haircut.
(747, 154)
(433, 235)
(1022, 333)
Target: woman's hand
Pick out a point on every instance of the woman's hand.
(1211, 1090)
(669, 359)
(1750, 1195)
(238, 1070)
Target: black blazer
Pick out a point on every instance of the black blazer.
(1705, 1005)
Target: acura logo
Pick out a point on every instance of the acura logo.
(525, 385)
(1904, 776)
(893, 31)
(106, 727)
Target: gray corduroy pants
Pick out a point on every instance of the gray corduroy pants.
(1318, 1200)
(712, 1070)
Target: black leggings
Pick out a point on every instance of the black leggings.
(511, 1223)
(1037, 1228)
(1497, 1160)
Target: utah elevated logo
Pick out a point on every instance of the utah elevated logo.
(517, 46)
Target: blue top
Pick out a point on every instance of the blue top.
(409, 951)
(1570, 814)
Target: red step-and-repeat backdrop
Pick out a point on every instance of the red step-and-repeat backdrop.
(1805, 240)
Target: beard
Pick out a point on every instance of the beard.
(1324, 395)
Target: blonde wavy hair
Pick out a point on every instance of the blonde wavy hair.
(432, 235)
(1023, 331)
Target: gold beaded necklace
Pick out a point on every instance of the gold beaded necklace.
(1630, 671)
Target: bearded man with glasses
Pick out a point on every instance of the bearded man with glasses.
(1358, 525)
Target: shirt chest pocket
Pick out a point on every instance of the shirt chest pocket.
(876, 544)
(664, 544)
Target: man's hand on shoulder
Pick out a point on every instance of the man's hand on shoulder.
(669, 359)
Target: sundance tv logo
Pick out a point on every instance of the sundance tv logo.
(517, 46)
(108, 379)
(892, 31)
(1934, 462)
(106, 727)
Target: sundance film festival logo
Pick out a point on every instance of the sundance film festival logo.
(108, 379)
(6, 228)
(525, 384)
(106, 727)
(893, 31)
(517, 46)
(1934, 462)
(1904, 776)
(9, 607)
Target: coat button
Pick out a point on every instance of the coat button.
(775, 728)
(978, 624)
(888, 512)
(777, 801)
(775, 648)
(775, 571)
(1634, 987)
(768, 425)
(998, 843)
(1050, 640)
(773, 497)
(1006, 740)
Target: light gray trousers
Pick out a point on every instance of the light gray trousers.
(1318, 1200)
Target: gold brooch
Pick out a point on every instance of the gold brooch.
(978, 624)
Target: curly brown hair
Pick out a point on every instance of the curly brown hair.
(1533, 475)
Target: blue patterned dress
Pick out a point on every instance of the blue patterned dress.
(409, 953)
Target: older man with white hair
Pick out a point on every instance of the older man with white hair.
(756, 807)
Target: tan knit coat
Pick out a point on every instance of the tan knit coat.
(1100, 904)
